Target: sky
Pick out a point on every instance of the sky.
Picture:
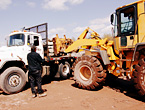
(64, 17)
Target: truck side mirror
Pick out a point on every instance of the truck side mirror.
(112, 18)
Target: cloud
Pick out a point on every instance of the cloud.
(97, 26)
(60, 31)
(57, 30)
(79, 29)
(106, 30)
(76, 2)
(100, 25)
(99, 20)
(55, 4)
(59, 4)
(31, 4)
(4, 4)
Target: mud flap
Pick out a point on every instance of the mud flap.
(45, 70)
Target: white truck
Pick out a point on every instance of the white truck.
(13, 58)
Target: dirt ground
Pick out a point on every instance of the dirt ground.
(63, 95)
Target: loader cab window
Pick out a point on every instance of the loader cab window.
(127, 20)
(16, 40)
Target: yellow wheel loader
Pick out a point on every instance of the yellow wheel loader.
(125, 56)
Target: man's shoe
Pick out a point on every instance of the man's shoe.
(42, 94)
(34, 95)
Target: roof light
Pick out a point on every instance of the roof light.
(24, 31)
(15, 31)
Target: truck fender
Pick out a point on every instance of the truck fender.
(138, 47)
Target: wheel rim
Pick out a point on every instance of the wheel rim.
(65, 69)
(14, 80)
(85, 72)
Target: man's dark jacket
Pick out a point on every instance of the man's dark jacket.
(34, 61)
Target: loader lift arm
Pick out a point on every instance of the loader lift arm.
(82, 41)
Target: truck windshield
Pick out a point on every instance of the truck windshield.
(128, 21)
(16, 40)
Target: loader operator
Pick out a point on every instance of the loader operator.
(34, 67)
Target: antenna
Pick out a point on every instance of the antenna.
(23, 28)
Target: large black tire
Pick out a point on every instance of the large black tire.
(139, 77)
(12, 80)
(88, 72)
(64, 70)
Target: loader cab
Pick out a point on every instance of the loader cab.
(127, 18)
(125, 31)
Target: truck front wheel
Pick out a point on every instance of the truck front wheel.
(88, 72)
(12, 80)
(139, 77)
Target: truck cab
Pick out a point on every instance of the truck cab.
(13, 62)
(20, 42)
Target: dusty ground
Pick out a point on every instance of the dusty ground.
(63, 95)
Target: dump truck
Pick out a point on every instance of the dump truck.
(13, 57)
(122, 57)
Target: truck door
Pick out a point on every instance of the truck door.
(36, 40)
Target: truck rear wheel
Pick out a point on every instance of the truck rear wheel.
(139, 77)
(88, 72)
(12, 80)
(64, 70)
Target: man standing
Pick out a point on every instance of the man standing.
(34, 67)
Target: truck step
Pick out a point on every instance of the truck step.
(50, 43)
(51, 50)
(51, 54)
